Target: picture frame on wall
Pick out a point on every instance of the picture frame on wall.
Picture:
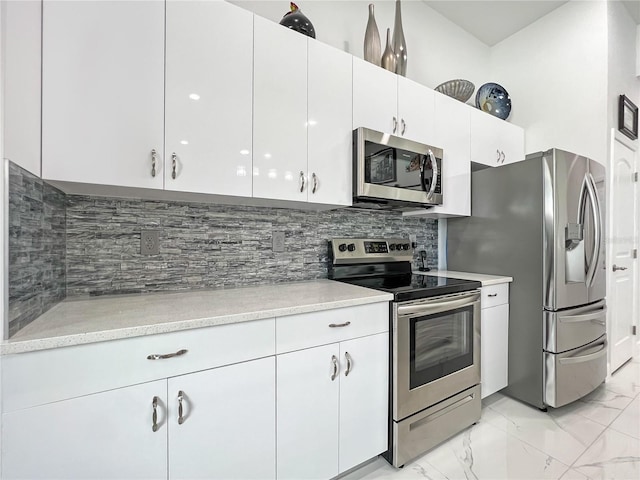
(628, 117)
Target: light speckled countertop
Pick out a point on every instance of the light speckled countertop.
(80, 321)
(486, 280)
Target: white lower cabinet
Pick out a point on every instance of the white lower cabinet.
(107, 435)
(332, 407)
(495, 339)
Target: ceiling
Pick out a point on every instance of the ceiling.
(492, 21)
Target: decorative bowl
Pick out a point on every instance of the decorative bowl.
(458, 89)
(494, 99)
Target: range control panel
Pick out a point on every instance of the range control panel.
(359, 250)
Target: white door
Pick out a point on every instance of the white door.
(364, 399)
(307, 412)
(375, 98)
(209, 68)
(621, 265)
(279, 112)
(103, 92)
(228, 427)
(107, 435)
(416, 105)
(330, 148)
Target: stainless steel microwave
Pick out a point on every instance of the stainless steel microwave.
(393, 172)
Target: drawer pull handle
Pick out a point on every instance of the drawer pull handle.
(492, 295)
(157, 356)
(336, 370)
(154, 418)
(349, 363)
(180, 411)
(338, 325)
(154, 159)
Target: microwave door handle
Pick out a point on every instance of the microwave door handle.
(423, 167)
(434, 180)
(597, 229)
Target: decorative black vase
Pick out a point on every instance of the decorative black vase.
(295, 20)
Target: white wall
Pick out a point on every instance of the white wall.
(438, 50)
(556, 73)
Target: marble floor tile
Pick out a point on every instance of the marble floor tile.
(601, 405)
(629, 420)
(572, 474)
(565, 435)
(613, 455)
(626, 380)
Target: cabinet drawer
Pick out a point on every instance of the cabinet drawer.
(36, 378)
(295, 332)
(494, 295)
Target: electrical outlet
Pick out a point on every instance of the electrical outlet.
(278, 241)
(412, 238)
(149, 243)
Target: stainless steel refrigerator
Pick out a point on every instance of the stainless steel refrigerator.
(541, 221)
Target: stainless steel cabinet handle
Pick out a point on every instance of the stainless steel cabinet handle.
(338, 325)
(154, 159)
(334, 361)
(395, 124)
(302, 181)
(349, 363)
(174, 164)
(154, 417)
(498, 156)
(502, 156)
(314, 177)
(404, 126)
(180, 399)
(616, 268)
(492, 295)
(162, 356)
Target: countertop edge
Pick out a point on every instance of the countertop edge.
(9, 347)
(486, 280)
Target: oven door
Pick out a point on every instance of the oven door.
(436, 350)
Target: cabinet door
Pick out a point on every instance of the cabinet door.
(511, 141)
(228, 426)
(375, 97)
(495, 142)
(209, 67)
(364, 396)
(102, 436)
(307, 413)
(494, 349)
(103, 92)
(453, 135)
(329, 127)
(279, 112)
(416, 112)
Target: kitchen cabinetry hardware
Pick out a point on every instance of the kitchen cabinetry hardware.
(180, 411)
(336, 370)
(154, 158)
(395, 124)
(174, 162)
(616, 268)
(154, 419)
(502, 156)
(498, 156)
(158, 356)
(349, 363)
(338, 325)
(302, 181)
(315, 183)
(492, 295)
(404, 126)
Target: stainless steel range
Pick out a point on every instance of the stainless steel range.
(435, 343)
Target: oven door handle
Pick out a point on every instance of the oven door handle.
(426, 308)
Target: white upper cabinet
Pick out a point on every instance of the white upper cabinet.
(494, 141)
(209, 69)
(279, 112)
(103, 92)
(375, 97)
(416, 112)
(330, 148)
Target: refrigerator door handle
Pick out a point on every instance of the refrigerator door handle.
(597, 227)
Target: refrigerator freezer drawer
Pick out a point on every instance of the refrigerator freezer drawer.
(571, 329)
(571, 375)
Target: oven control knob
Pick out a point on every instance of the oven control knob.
(398, 246)
(342, 247)
(351, 247)
(406, 246)
(392, 246)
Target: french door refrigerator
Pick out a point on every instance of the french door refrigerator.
(541, 221)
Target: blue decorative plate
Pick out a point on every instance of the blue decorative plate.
(494, 99)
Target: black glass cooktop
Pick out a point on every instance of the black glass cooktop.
(413, 287)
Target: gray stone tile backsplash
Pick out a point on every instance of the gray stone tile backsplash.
(83, 245)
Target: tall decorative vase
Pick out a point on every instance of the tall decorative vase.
(372, 47)
(399, 44)
(389, 57)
